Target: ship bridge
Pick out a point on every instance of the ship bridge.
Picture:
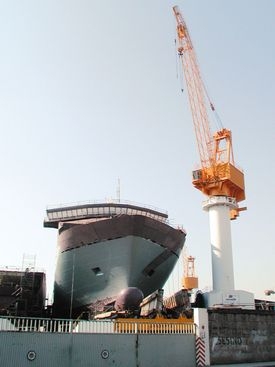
(98, 211)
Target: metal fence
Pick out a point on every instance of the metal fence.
(155, 327)
(23, 324)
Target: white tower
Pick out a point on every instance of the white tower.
(219, 208)
(224, 293)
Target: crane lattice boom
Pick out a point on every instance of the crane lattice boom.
(218, 175)
(195, 91)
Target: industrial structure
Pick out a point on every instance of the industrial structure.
(190, 280)
(218, 177)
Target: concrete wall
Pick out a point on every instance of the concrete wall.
(240, 336)
(99, 350)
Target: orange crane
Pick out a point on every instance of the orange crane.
(218, 175)
(189, 280)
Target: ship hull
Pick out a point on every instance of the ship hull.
(99, 257)
(91, 273)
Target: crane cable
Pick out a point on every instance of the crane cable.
(178, 68)
(219, 124)
(179, 73)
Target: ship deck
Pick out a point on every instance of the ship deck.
(98, 211)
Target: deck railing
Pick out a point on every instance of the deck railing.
(24, 324)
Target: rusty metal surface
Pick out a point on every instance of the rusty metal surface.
(73, 235)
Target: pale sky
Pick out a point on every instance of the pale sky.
(89, 93)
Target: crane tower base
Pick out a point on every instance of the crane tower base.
(229, 299)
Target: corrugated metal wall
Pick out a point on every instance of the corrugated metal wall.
(79, 350)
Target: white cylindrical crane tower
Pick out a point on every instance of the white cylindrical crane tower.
(219, 208)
